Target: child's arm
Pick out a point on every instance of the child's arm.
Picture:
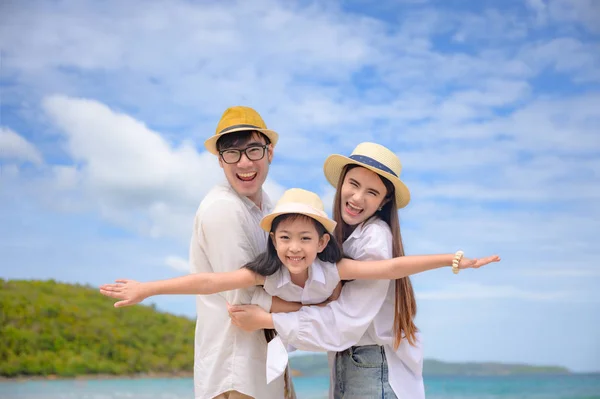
(131, 292)
(403, 266)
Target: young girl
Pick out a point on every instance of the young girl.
(370, 328)
(299, 239)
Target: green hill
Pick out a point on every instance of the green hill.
(50, 328)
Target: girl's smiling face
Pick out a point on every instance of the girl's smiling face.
(362, 194)
(297, 243)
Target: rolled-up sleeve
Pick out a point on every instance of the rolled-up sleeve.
(261, 298)
(342, 323)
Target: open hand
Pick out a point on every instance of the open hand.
(129, 291)
(249, 317)
(467, 263)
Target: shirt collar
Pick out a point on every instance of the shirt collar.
(284, 277)
(315, 272)
(358, 230)
(267, 205)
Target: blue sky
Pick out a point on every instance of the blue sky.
(493, 108)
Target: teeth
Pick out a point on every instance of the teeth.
(353, 208)
(295, 259)
(247, 175)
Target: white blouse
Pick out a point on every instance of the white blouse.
(323, 277)
(362, 315)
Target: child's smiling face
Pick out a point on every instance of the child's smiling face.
(297, 243)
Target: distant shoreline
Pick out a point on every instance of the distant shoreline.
(85, 377)
(295, 373)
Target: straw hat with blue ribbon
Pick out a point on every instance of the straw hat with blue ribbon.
(297, 200)
(374, 157)
(238, 119)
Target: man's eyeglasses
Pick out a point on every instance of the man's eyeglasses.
(253, 153)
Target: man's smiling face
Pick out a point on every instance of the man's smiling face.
(247, 176)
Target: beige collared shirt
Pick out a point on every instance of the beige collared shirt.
(226, 236)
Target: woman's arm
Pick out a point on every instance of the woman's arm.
(251, 317)
(131, 292)
(282, 306)
(341, 323)
(391, 269)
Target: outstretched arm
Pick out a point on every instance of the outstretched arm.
(131, 292)
(391, 269)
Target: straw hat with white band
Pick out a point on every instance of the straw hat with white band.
(296, 200)
(238, 119)
(374, 157)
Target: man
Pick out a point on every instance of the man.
(230, 363)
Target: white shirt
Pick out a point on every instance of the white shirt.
(323, 277)
(362, 315)
(226, 236)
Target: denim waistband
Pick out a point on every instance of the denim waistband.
(367, 347)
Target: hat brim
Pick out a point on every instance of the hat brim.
(334, 164)
(287, 209)
(211, 143)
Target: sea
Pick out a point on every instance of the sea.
(575, 386)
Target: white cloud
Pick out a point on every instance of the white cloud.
(177, 263)
(134, 176)
(274, 190)
(566, 55)
(479, 291)
(583, 12)
(16, 148)
(566, 271)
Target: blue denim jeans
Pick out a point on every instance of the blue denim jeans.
(361, 372)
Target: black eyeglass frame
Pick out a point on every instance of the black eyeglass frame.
(245, 151)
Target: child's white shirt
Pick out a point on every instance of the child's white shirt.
(323, 277)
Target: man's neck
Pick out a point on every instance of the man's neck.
(257, 199)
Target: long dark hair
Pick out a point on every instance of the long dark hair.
(405, 307)
(268, 263)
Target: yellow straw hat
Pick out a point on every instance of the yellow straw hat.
(374, 157)
(297, 200)
(237, 119)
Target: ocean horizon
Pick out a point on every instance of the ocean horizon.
(571, 386)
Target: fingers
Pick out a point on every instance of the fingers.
(234, 320)
(122, 280)
(113, 294)
(122, 304)
(487, 260)
(237, 308)
(466, 263)
(109, 287)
